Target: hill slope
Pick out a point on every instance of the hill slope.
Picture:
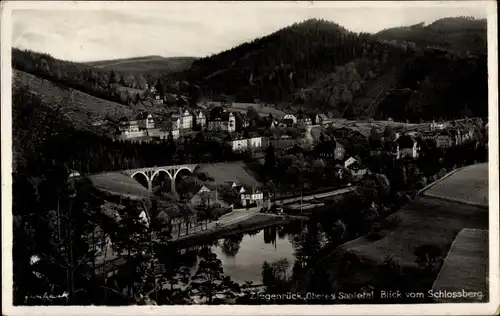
(460, 33)
(147, 64)
(78, 108)
(321, 65)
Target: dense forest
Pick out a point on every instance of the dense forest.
(409, 73)
(321, 65)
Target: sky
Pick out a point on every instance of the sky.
(103, 31)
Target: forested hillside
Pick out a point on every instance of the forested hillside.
(323, 66)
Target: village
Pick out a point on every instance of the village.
(345, 151)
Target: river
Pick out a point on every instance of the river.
(243, 255)
(244, 262)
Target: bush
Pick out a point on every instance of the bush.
(375, 232)
(391, 222)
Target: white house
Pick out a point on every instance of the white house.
(221, 120)
(145, 120)
(176, 121)
(322, 119)
(444, 140)
(130, 128)
(304, 120)
(251, 195)
(290, 117)
(201, 119)
(186, 120)
(407, 147)
(355, 168)
(242, 144)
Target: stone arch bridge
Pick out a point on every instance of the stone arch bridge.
(151, 172)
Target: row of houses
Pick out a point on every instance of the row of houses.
(145, 124)
(206, 196)
(402, 146)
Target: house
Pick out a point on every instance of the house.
(322, 119)
(250, 196)
(354, 167)
(201, 119)
(157, 99)
(145, 120)
(288, 122)
(291, 117)
(221, 120)
(176, 121)
(407, 147)
(330, 151)
(239, 144)
(129, 128)
(203, 197)
(185, 119)
(445, 139)
(304, 120)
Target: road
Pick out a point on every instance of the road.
(316, 196)
(225, 220)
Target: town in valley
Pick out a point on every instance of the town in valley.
(313, 159)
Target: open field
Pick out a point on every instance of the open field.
(465, 267)
(80, 108)
(424, 221)
(469, 185)
(229, 171)
(119, 184)
(262, 110)
(145, 64)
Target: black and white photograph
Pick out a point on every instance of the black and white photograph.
(236, 158)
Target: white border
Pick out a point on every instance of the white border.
(422, 309)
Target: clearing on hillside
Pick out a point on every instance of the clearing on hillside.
(80, 108)
(225, 172)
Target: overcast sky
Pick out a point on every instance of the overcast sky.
(87, 32)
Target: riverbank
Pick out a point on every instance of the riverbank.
(256, 222)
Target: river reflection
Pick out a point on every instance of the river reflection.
(242, 257)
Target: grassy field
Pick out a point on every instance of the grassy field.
(263, 111)
(80, 108)
(146, 64)
(425, 220)
(470, 184)
(118, 183)
(465, 267)
(229, 171)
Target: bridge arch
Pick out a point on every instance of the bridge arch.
(180, 169)
(164, 181)
(144, 176)
(160, 170)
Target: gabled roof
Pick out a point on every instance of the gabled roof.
(349, 162)
(323, 116)
(142, 115)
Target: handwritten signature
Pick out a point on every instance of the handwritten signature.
(49, 296)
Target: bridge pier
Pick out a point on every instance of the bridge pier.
(172, 186)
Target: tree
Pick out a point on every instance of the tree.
(209, 279)
(270, 160)
(113, 78)
(122, 81)
(427, 256)
(389, 133)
